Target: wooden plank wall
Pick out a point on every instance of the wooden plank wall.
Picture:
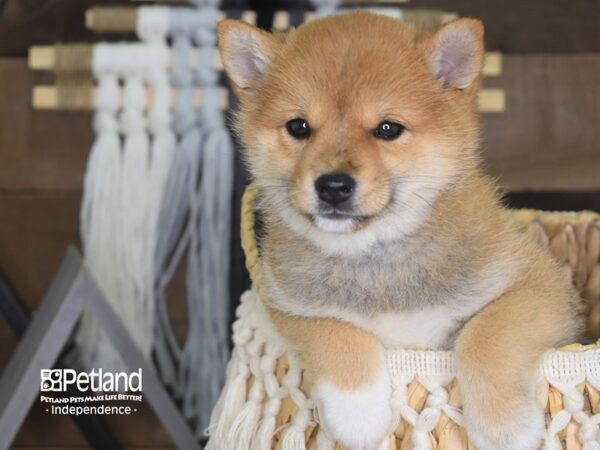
(548, 139)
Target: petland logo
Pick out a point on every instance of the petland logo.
(99, 392)
(97, 381)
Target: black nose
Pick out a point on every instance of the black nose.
(335, 188)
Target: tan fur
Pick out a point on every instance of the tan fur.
(514, 331)
(335, 361)
(345, 75)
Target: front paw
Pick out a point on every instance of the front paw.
(358, 419)
(522, 428)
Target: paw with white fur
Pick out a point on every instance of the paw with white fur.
(523, 430)
(358, 419)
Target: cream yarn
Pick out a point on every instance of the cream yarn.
(126, 172)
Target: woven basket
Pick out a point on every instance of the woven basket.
(265, 403)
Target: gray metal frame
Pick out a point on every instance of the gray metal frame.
(73, 292)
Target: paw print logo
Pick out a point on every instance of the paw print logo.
(51, 380)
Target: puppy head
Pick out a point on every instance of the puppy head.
(354, 124)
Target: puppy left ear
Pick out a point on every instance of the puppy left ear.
(246, 52)
(455, 53)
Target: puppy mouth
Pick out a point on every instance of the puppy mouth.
(338, 221)
(340, 215)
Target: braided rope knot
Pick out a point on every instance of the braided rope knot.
(275, 393)
(588, 432)
(158, 76)
(205, 36)
(573, 400)
(183, 21)
(102, 61)
(574, 404)
(108, 95)
(153, 23)
(159, 121)
(181, 74)
(203, 33)
(105, 122)
(241, 335)
(186, 119)
(257, 392)
(558, 423)
(132, 121)
(205, 75)
(210, 113)
(134, 96)
(438, 397)
(268, 363)
(159, 116)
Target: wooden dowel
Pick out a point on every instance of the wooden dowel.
(492, 64)
(491, 101)
(103, 18)
(111, 19)
(46, 97)
(43, 58)
(121, 19)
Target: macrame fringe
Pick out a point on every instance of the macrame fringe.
(196, 213)
(233, 402)
(205, 352)
(243, 428)
(264, 434)
(293, 438)
(120, 211)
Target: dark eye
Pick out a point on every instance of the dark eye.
(298, 128)
(388, 131)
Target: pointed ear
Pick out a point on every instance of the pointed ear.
(455, 53)
(246, 52)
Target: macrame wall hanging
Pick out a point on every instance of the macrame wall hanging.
(158, 191)
(127, 171)
(197, 211)
(152, 26)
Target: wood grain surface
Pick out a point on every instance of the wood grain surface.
(512, 26)
(548, 138)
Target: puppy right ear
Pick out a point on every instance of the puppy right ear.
(455, 53)
(246, 52)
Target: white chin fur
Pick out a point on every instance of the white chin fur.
(358, 419)
(335, 225)
(342, 238)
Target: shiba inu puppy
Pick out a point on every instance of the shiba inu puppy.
(381, 231)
